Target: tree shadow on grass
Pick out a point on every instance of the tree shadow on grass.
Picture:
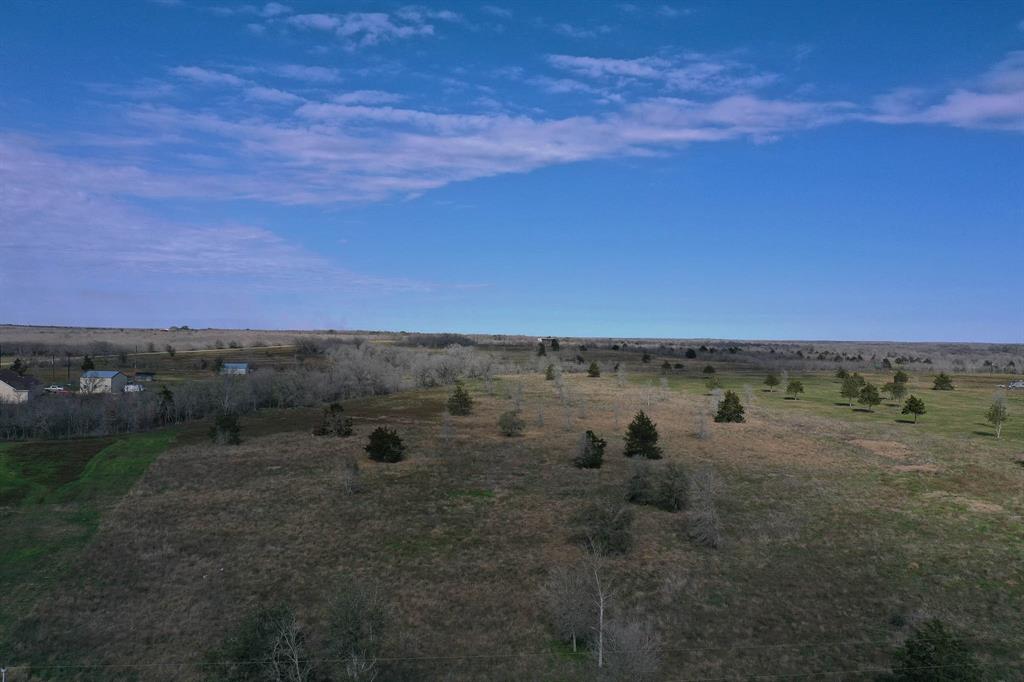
(989, 434)
(842, 404)
(863, 409)
(905, 421)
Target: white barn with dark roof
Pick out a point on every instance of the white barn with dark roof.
(18, 388)
(102, 381)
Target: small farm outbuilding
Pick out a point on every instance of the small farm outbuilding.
(102, 381)
(18, 388)
(235, 368)
(145, 376)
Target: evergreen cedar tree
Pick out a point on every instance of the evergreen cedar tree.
(591, 452)
(18, 367)
(691, 353)
(712, 382)
(645, 358)
(385, 445)
(594, 370)
(87, 364)
(841, 373)
(943, 382)
(771, 381)
(914, 406)
(730, 409)
(895, 389)
(333, 422)
(794, 388)
(869, 396)
(900, 377)
(460, 403)
(540, 349)
(666, 366)
(708, 369)
(642, 438)
(225, 430)
(554, 344)
(668, 492)
(549, 373)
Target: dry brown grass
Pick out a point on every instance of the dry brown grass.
(822, 544)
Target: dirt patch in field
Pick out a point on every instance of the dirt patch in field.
(972, 504)
(884, 448)
(921, 468)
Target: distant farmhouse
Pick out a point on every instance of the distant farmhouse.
(235, 368)
(102, 381)
(17, 388)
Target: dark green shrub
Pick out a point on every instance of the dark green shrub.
(594, 371)
(87, 364)
(691, 353)
(225, 430)
(549, 373)
(642, 438)
(460, 403)
(730, 409)
(934, 654)
(645, 358)
(869, 396)
(771, 381)
(385, 445)
(510, 423)
(794, 388)
(943, 382)
(712, 382)
(590, 451)
(708, 369)
(914, 406)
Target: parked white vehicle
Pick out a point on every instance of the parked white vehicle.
(54, 388)
(134, 388)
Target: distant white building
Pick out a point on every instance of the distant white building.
(17, 388)
(235, 368)
(102, 381)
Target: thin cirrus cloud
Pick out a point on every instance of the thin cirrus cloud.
(995, 101)
(692, 73)
(362, 29)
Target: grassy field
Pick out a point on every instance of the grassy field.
(840, 528)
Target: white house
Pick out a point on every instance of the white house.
(17, 388)
(235, 368)
(102, 381)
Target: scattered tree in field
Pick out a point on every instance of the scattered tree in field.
(555, 345)
(730, 409)
(666, 367)
(460, 402)
(842, 373)
(943, 382)
(996, 415)
(605, 528)
(170, 350)
(900, 377)
(385, 445)
(266, 644)
(712, 382)
(218, 364)
(702, 520)
(225, 430)
(541, 351)
(511, 424)
(794, 388)
(18, 367)
(691, 353)
(914, 406)
(631, 651)
(567, 596)
(351, 476)
(850, 388)
(589, 451)
(88, 364)
(594, 371)
(549, 373)
(895, 390)
(333, 422)
(665, 489)
(771, 381)
(645, 358)
(869, 396)
(356, 622)
(934, 654)
(708, 369)
(703, 429)
(642, 438)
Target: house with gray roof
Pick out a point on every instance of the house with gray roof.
(102, 381)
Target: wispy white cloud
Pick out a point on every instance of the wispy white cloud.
(692, 73)
(206, 76)
(993, 101)
(362, 29)
(315, 74)
(272, 95)
(368, 97)
(496, 11)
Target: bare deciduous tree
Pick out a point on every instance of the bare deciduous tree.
(632, 651)
(703, 427)
(289, 661)
(351, 476)
(567, 596)
(702, 521)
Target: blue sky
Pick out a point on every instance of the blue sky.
(818, 170)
